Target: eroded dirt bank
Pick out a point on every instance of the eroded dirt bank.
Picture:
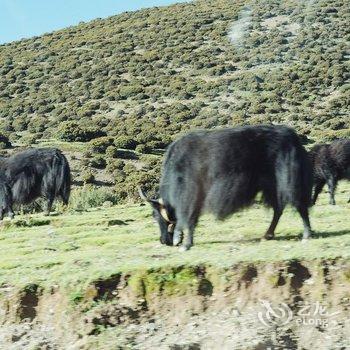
(285, 305)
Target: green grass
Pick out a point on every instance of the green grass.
(64, 145)
(74, 249)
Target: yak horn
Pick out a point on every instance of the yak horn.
(162, 210)
(145, 198)
(164, 214)
(142, 194)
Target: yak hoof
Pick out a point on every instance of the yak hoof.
(269, 236)
(184, 248)
(177, 239)
(307, 235)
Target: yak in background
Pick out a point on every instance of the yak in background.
(331, 163)
(222, 171)
(31, 174)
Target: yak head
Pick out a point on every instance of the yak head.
(5, 200)
(162, 216)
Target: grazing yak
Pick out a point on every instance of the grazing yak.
(33, 173)
(331, 163)
(222, 171)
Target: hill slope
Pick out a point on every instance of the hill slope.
(201, 64)
(144, 77)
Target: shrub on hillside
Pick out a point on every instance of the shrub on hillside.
(89, 196)
(127, 91)
(143, 149)
(119, 177)
(100, 144)
(111, 152)
(38, 124)
(98, 162)
(125, 142)
(30, 139)
(114, 164)
(87, 176)
(128, 188)
(20, 123)
(331, 135)
(126, 154)
(4, 142)
(73, 131)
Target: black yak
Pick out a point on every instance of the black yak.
(222, 171)
(33, 173)
(331, 163)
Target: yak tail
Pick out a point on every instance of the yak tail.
(63, 177)
(294, 178)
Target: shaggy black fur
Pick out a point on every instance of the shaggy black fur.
(331, 163)
(33, 173)
(222, 171)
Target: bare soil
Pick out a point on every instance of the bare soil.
(214, 309)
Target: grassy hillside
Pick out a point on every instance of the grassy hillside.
(176, 67)
(137, 80)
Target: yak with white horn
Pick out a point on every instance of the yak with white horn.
(222, 171)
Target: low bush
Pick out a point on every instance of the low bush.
(87, 176)
(98, 162)
(114, 164)
(100, 144)
(125, 142)
(90, 196)
(4, 142)
(73, 131)
(111, 152)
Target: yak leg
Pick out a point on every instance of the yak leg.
(189, 217)
(10, 213)
(304, 213)
(318, 189)
(331, 186)
(184, 233)
(270, 233)
(48, 206)
(178, 236)
(188, 239)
